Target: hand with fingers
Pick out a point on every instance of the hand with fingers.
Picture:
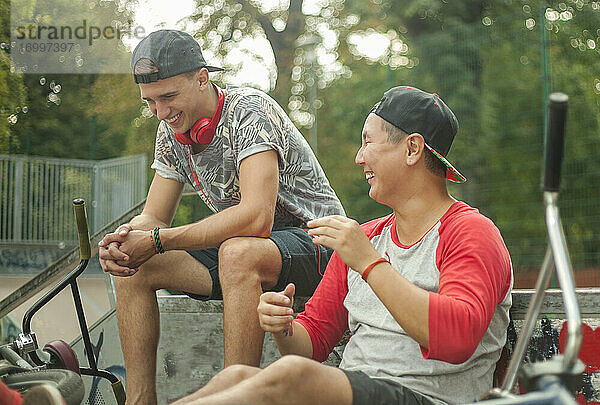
(346, 237)
(275, 312)
(110, 254)
(136, 247)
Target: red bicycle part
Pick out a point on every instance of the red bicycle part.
(62, 354)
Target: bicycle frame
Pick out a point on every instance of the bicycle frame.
(27, 345)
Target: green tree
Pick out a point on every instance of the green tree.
(487, 64)
(308, 42)
(126, 119)
(13, 95)
(485, 60)
(61, 119)
(224, 25)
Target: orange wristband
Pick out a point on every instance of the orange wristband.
(365, 273)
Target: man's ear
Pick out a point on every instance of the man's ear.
(414, 148)
(202, 77)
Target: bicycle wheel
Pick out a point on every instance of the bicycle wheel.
(68, 383)
(62, 356)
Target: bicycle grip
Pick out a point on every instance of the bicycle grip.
(119, 392)
(85, 250)
(557, 120)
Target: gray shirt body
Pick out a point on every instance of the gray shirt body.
(251, 122)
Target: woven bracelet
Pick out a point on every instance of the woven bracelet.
(157, 244)
(153, 243)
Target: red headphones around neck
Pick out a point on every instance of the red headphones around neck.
(203, 130)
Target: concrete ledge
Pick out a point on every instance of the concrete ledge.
(588, 298)
(190, 350)
(185, 304)
(191, 342)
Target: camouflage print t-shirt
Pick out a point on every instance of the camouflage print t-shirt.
(251, 122)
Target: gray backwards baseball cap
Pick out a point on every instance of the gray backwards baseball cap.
(173, 52)
(413, 110)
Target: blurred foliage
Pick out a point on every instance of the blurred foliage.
(488, 66)
(224, 25)
(12, 90)
(310, 42)
(340, 121)
(59, 107)
(484, 58)
(93, 30)
(126, 120)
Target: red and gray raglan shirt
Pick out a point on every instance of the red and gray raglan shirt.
(463, 263)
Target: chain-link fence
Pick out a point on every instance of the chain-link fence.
(496, 76)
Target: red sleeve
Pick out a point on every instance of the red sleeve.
(325, 318)
(475, 276)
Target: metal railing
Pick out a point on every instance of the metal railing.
(60, 267)
(36, 194)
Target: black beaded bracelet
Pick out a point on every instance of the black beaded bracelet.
(157, 244)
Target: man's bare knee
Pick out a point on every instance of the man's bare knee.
(140, 280)
(291, 368)
(236, 262)
(236, 250)
(236, 373)
(242, 261)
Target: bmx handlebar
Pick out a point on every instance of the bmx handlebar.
(557, 118)
(85, 250)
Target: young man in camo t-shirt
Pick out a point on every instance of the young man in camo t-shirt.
(243, 156)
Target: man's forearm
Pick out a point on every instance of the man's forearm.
(298, 343)
(215, 229)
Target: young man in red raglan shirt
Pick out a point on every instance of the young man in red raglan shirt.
(425, 291)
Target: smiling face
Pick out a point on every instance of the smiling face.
(381, 160)
(179, 100)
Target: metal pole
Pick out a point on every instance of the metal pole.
(93, 138)
(545, 89)
(564, 272)
(97, 197)
(533, 311)
(309, 42)
(28, 143)
(313, 106)
(18, 201)
(85, 335)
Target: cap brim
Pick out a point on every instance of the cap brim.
(451, 173)
(213, 68)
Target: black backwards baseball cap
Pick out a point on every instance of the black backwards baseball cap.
(173, 52)
(413, 110)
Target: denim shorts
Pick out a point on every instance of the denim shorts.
(367, 391)
(302, 263)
